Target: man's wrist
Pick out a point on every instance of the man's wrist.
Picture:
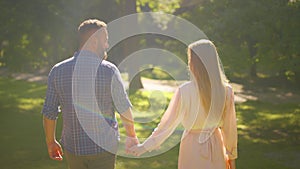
(132, 136)
(51, 141)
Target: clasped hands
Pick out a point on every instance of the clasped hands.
(133, 147)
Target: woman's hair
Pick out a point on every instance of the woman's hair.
(201, 76)
(206, 69)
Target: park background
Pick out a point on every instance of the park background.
(258, 43)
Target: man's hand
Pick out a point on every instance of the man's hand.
(130, 141)
(55, 151)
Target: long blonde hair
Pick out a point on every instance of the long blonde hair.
(207, 71)
(200, 74)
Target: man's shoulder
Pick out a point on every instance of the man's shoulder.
(64, 63)
(108, 65)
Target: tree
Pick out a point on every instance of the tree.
(38, 33)
(135, 43)
(264, 31)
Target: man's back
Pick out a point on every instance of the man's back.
(87, 89)
(76, 136)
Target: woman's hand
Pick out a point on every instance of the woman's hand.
(231, 164)
(138, 150)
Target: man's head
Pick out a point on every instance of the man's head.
(93, 36)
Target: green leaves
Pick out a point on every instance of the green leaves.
(268, 29)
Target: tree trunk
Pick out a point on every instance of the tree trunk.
(131, 45)
(297, 78)
(252, 53)
(253, 72)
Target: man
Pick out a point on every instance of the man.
(83, 144)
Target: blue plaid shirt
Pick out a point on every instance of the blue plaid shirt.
(83, 138)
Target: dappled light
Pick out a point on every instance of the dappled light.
(21, 125)
(257, 42)
(265, 129)
(29, 104)
(269, 123)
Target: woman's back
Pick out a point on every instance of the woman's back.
(204, 145)
(195, 115)
(205, 108)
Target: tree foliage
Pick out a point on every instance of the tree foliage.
(261, 35)
(254, 38)
(38, 33)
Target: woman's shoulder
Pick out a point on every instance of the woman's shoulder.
(187, 84)
(228, 87)
(187, 87)
(229, 90)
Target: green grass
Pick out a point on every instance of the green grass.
(22, 138)
(269, 133)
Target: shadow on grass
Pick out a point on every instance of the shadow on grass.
(271, 90)
(270, 123)
(167, 160)
(22, 138)
(148, 108)
(269, 133)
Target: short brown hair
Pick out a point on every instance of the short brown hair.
(89, 25)
(87, 28)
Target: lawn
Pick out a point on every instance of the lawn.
(269, 132)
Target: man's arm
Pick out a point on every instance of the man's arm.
(54, 149)
(128, 122)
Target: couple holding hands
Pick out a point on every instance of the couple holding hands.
(204, 106)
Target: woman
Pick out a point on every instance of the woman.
(205, 108)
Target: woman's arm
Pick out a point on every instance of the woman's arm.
(229, 128)
(170, 120)
(232, 164)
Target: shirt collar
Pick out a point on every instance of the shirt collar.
(85, 53)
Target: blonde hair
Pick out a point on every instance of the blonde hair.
(206, 69)
(201, 76)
